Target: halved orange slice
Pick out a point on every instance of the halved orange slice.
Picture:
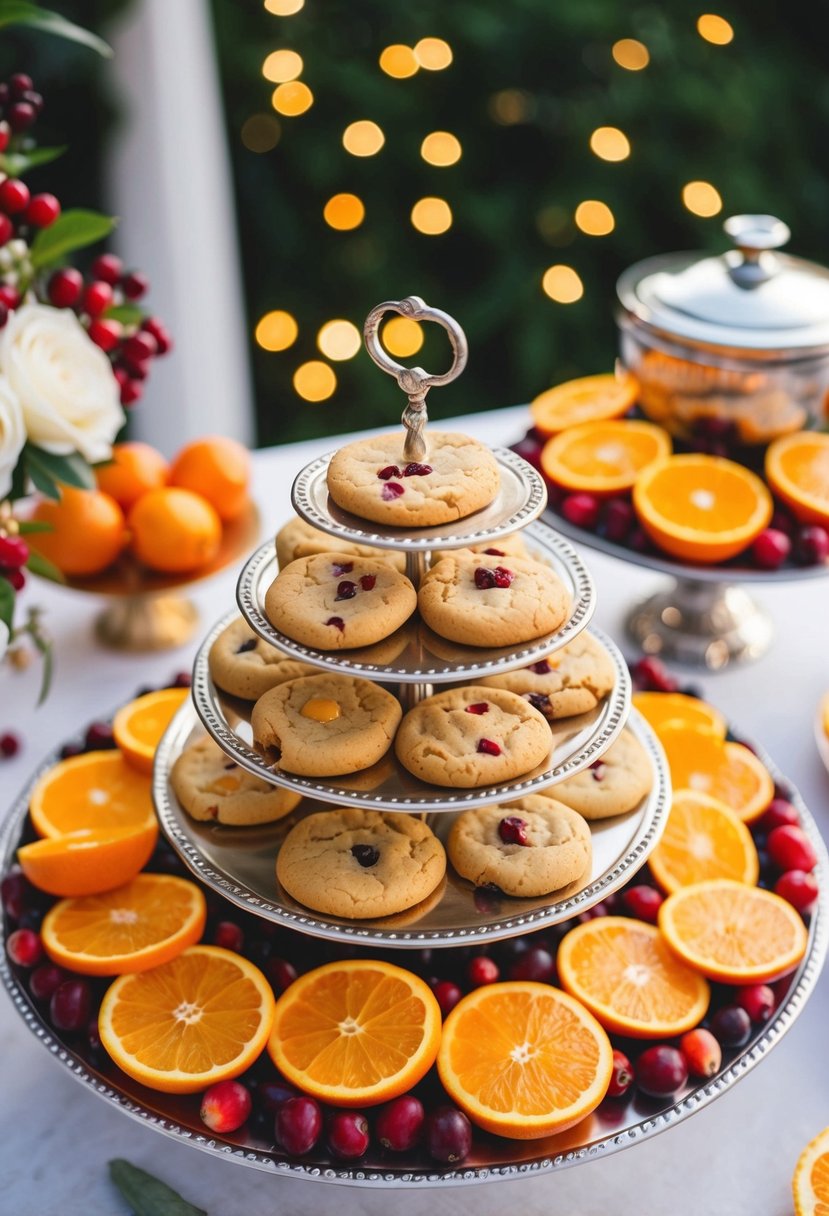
(625, 973)
(356, 1032)
(603, 457)
(585, 400)
(88, 862)
(98, 791)
(732, 932)
(702, 762)
(810, 1184)
(701, 508)
(524, 1060)
(703, 839)
(202, 1018)
(141, 925)
(675, 708)
(797, 469)
(139, 725)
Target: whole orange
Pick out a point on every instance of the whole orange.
(135, 468)
(174, 530)
(217, 468)
(87, 531)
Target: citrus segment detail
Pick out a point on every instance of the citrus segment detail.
(797, 469)
(139, 725)
(662, 709)
(810, 1184)
(603, 457)
(700, 761)
(703, 839)
(589, 399)
(98, 791)
(88, 862)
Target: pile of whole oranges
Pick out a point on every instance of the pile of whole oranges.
(169, 515)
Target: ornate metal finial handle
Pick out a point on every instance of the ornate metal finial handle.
(755, 237)
(414, 381)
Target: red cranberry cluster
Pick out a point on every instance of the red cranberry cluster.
(20, 107)
(14, 553)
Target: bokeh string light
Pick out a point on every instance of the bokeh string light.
(292, 98)
(609, 143)
(441, 149)
(594, 218)
(363, 138)
(281, 66)
(260, 132)
(284, 8)
(315, 380)
(701, 198)
(398, 61)
(433, 54)
(344, 212)
(562, 284)
(631, 54)
(715, 29)
(277, 330)
(402, 336)
(432, 216)
(339, 340)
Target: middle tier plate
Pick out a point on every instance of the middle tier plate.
(387, 786)
(414, 654)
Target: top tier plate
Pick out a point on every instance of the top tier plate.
(521, 499)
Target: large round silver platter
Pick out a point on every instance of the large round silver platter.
(521, 498)
(239, 863)
(414, 654)
(613, 1126)
(387, 786)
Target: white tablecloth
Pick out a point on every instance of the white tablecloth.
(735, 1158)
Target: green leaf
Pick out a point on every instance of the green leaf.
(44, 647)
(7, 598)
(71, 469)
(19, 12)
(43, 482)
(72, 230)
(43, 567)
(18, 486)
(33, 525)
(127, 314)
(15, 163)
(146, 1195)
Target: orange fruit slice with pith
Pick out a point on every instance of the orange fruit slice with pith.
(702, 762)
(524, 1060)
(631, 981)
(202, 1018)
(88, 862)
(587, 399)
(703, 839)
(732, 932)
(810, 1184)
(675, 708)
(603, 457)
(797, 469)
(139, 725)
(98, 791)
(356, 1032)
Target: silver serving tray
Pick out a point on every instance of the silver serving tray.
(414, 654)
(387, 785)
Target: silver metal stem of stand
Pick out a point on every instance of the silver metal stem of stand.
(702, 623)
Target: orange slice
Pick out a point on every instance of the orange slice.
(603, 457)
(356, 1033)
(626, 975)
(139, 725)
(702, 762)
(810, 1184)
(141, 925)
(590, 399)
(675, 708)
(201, 1018)
(703, 839)
(701, 508)
(732, 932)
(797, 469)
(97, 791)
(88, 862)
(524, 1060)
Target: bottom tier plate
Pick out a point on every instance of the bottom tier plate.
(239, 864)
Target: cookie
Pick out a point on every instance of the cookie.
(372, 479)
(244, 665)
(490, 603)
(325, 725)
(572, 681)
(504, 546)
(359, 864)
(612, 785)
(334, 601)
(300, 539)
(529, 847)
(468, 737)
(211, 787)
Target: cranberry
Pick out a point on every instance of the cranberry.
(536, 964)
(281, 973)
(97, 297)
(368, 581)
(140, 347)
(43, 210)
(731, 1026)
(781, 521)
(495, 552)
(105, 334)
(93, 1037)
(346, 590)
(478, 707)
(135, 285)
(13, 891)
(661, 1071)
(99, 736)
(14, 195)
(502, 577)
(65, 287)
(653, 675)
(618, 518)
(24, 947)
(482, 970)
(337, 622)
(413, 469)
(182, 679)
(16, 577)
(488, 748)
(365, 854)
(484, 579)
(757, 1000)
(529, 449)
(540, 668)
(108, 268)
(225, 1106)
(447, 995)
(770, 549)
(391, 490)
(621, 1078)
(246, 646)
(229, 936)
(582, 509)
(298, 1125)
(400, 1124)
(778, 813)
(45, 980)
(644, 902)
(70, 1006)
(340, 568)
(798, 888)
(391, 470)
(9, 296)
(538, 701)
(5, 136)
(639, 541)
(271, 1095)
(20, 83)
(348, 1136)
(513, 830)
(702, 1052)
(448, 1134)
(811, 543)
(9, 745)
(487, 898)
(153, 326)
(790, 848)
(131, 392)
(598, 769)
(6, 228)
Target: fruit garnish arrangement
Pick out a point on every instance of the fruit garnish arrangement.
(706, 500)
(317, 1052)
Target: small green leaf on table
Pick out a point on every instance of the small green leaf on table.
(20, 12)
(72, 230)
(146, 1195)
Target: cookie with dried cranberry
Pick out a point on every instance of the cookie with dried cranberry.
(373, 480)
(360, 864)
(211, 787)
(527, 848)
(571, 681)
(300, 539)
(489, 602)
(334, 601)
(504, 546)
(612, 785)
(469, 737)
(325, 725)
(244, 665)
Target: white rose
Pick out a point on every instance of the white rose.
(12, 434)
(64, 382)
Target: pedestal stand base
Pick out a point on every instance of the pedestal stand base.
(702, 624)
(147, 622)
